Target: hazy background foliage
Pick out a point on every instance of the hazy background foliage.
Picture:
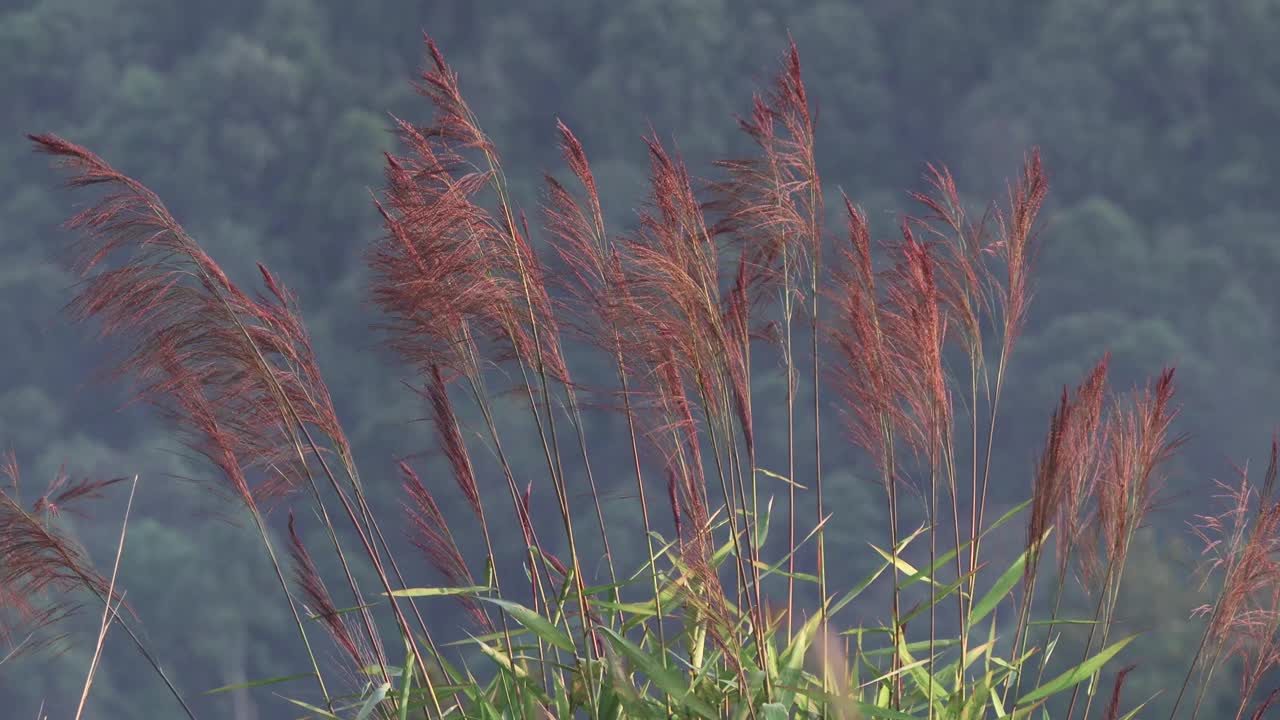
(262, 124)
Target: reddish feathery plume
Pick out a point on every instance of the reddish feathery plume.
(576, 158)
(1249, 611)
(674, 274)
(1253, 639)
(283, 334)
(451, 441)
(865, 377)
(577, 232)
(1245, 615)
(454, 121)
(586, 282)
(1086, 441)
(675, 323)
(1273, 466)
(36, 560)
(758, 207)
(772, 203)
(1129, 484)
(432, 275)
(308, 579)
(507, 248)
(673, 494)
(429, 532)
(673, 431)
(539, 320)
(450, 274)
(1113, 707)
(191, 327)
(790, 102)
(204, 430)
(688, 489)
(964, 282)
(62, 493)
(1250, 572)
(1017, 245)
(915, 329)
(685, 453)
(1051, 479)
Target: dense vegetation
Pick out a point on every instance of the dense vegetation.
(1154, 119)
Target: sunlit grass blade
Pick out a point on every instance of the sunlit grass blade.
(535, 623)
(1075, 675)
(440, 591)
(257, 683)
(660, 675)
(998, 591)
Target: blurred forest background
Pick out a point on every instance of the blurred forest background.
(262, 122)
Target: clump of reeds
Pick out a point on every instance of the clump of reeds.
(716, 279)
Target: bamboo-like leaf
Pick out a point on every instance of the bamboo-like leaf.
(535, 623)
(258, 683)
(793, 659)
(1075, 675)
(910, 570)
(406, 679)
(662, 676)
(783, 478)
(378, 695)
(857, 589)
(929, 685)
(762, 524)
(977, 698)
(863, 710)
(1002, 587)
(441, 591)
(1134, 712)
(941, 594)
(502, 659)
(867, 710)
(312, 708)
(774, 711)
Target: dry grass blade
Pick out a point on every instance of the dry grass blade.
(108, 612)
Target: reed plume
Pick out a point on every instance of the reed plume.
(771, 207)
(430, 533)
(41, 568)
(1241, 543)
(307, 577)
(681, 307)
